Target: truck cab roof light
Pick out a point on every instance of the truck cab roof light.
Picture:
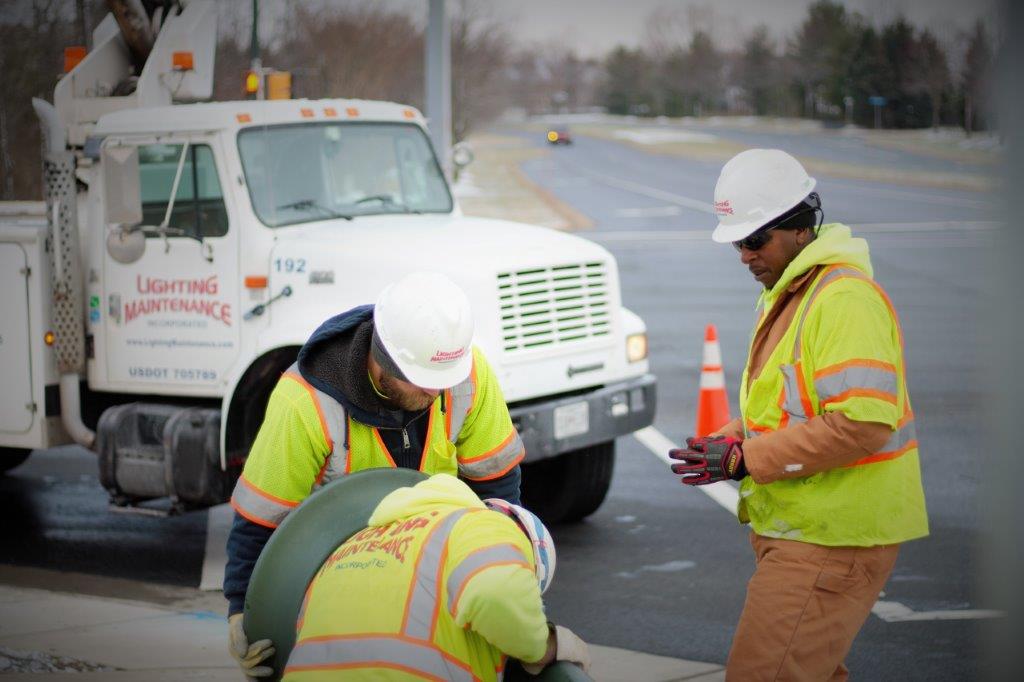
(73, 55)
(182, 61)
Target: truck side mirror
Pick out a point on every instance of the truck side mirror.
(123, 202)
(462, 155)
(123, 197)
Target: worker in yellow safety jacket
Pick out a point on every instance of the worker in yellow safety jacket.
(440, 586)
(394, 384)
(826, 446)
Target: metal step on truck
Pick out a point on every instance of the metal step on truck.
(186, 250)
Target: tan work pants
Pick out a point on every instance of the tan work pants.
(805, 604)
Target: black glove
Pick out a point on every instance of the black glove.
(709, 460)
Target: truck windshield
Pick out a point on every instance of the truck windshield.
(300, 173)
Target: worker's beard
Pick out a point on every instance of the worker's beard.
(404, 395)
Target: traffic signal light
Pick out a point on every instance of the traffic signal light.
(252, 82)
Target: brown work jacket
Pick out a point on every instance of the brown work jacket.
(823, 442)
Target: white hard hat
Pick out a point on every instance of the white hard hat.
(543, 544)
(754, 187)
(425, 325)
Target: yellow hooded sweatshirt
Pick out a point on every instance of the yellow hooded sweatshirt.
(437, 585)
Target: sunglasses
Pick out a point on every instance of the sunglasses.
(757, 240)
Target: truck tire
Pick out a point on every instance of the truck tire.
(571, 486)
(12, 457)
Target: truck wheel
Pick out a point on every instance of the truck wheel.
(571, 486)
(12, 457)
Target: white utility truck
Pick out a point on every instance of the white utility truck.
(185, 251)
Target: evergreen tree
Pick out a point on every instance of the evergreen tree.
(974, 78)
(758, 69)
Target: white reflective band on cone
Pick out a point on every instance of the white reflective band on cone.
(714, 379)
(712, 354)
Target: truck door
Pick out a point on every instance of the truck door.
(172, 318)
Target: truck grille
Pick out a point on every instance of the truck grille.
(554, 305)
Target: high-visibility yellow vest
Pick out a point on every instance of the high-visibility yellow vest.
(815, 369)
(384, 604)
(307, 440)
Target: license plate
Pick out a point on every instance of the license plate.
(572, 420)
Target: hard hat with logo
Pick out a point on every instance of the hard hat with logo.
(537, 532)
(754, 187)
(423, 331)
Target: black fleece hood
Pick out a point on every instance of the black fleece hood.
(334, 360)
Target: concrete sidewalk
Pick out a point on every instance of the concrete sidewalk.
(165, 633)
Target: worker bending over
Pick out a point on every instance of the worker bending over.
(396, 384)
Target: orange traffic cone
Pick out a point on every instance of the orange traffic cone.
(713, 404)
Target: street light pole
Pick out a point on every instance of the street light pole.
(439, 82)
(256, 64)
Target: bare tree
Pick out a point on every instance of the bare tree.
(33, 34)
(481, 54)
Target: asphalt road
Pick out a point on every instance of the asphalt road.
(662, 568)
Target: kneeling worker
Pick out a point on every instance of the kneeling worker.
(439, 586)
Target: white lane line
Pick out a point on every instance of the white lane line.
(650, 235)
(648, 212)
(655, 441)
(921, 197)
(895, 612)
(646, 191)
(218, 525)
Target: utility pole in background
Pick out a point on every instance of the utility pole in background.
(256, 64)
(83, 23)
(438, 94)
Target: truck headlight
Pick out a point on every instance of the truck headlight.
(636, 347)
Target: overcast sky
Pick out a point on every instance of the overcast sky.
(593, 27)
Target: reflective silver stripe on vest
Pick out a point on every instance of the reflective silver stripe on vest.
(856, 376)
(462, 396)
(791, 402)
(481, 558)
(426, 588)
(372, 652)
(255, 506)
(900, 438)
(495, 462)
(822, 283)
(334, 419)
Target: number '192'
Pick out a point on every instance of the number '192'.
(290, 264)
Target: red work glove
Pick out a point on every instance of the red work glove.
(709, 460)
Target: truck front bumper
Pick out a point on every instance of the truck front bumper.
(551, 427)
